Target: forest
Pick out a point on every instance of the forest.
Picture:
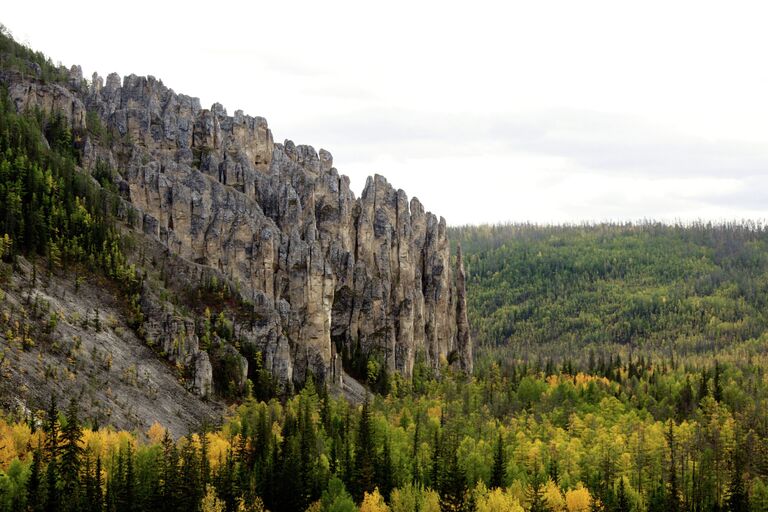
(632, 435)
(695, 287)
(620, 367)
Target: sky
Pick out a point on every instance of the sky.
(545, 111)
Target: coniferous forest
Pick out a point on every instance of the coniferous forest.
(618, 368)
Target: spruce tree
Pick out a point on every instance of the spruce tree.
(499, 469)
(454, 486)
(673, 500)
(737, 499)
(190, 477)
(169, 489)
(129, 482)
(535, 496)
(416, 476)
(52, 441)
(205, 464)
(703, 386)
(71, 455)
(34, 482)
(386, 472)
(717, 386)
(97, 504)
(364, 470)
(657, 502)
(622, 500)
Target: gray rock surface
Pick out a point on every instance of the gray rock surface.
(329, 275)
(92, 355)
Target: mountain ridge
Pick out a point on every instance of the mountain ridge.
(335, 284)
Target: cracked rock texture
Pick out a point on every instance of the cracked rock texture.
(329, 275)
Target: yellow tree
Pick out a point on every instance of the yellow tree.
(553, 497)
(211, 502)
(405, 499)
(256, 505)
(578, 499)
(430, 501)
(495, 500)
(373, 502)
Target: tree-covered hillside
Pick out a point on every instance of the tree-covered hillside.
(653, 286)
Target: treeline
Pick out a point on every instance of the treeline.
(635, 435)
(694, 287)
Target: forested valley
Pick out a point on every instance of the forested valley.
(617, 368)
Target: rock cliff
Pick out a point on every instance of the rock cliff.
(332, 278)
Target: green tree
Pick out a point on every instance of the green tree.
(454, 486)
(336, 498)
(499, 468)
(71, 455)
(34, 482)
(738, 500)
(535, 492)
(364, 470)
(52, 445)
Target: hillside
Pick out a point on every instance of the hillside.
(688, 289)
(243, 263)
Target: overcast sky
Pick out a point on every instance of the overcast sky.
(487, 111)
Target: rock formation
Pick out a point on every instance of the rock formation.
(330, 276)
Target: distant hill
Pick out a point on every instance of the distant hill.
(689, 287)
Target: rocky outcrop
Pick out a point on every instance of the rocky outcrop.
(331, 277)
(49, 98)
(463, 340)
(176, 337)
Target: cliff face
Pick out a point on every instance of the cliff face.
(331, 276)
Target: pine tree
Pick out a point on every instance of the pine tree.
(737, 499)
(98, 498)
(364, 471)
(129, 482)
(34, 482)
(116, 480)
(673, 500)
(226, 484)
(454, 486)
(71, 455)
(87, 485)
(685, 400)
(717, 386)
(113, 491)
(169, 489)
(309, 486)
(386, 472)
(703, 386)
(290, 490)
(271, 471)
(498, 470)
(658, 499)
(535, 493)
(190, 477)
(416, 469)
(205, 464)
(622, 500)
(51, 429)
